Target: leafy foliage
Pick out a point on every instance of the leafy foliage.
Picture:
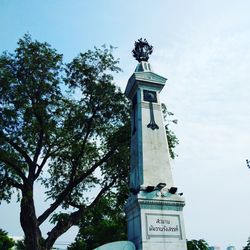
(104, 224)
(6, 243)
(62, 126)
(247, 247)
(20, 245)
(197, 245)
(171, 137)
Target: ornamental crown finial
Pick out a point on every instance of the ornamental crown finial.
(142, 50)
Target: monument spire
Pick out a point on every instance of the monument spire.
(154, 208)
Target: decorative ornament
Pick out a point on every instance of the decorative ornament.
(142, 50)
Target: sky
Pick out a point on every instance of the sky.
(203, 48)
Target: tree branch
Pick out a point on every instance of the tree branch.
(94, 167)
(12, 182)
(19, 150)
(46, 157)
(70, 187)
(40, 167)
(39, 144)
(16, 168)
(38, 147)
(64, 224)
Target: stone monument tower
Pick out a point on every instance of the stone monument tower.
(154, 208)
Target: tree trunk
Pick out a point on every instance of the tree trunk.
(28, 219)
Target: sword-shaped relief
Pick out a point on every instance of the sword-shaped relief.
(150, 96)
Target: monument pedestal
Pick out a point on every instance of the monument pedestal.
(155, 221)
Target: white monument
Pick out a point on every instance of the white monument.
(154, 208)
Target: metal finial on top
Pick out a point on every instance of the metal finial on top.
(142, 50)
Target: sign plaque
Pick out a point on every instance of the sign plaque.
(163, 226)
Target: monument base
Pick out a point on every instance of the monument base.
(155, 221)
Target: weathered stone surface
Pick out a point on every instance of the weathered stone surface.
(155, 220)
(149, 148)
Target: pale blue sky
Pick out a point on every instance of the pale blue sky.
(203, 48)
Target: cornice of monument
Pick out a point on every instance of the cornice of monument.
(173, 203)
(148, 78)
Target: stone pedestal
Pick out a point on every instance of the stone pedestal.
(155, 221)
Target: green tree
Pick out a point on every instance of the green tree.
(171, 137)
(62, 126)
(105, 224)
(6, 243)
(247, 247)
(19, 245)
(197, 245)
